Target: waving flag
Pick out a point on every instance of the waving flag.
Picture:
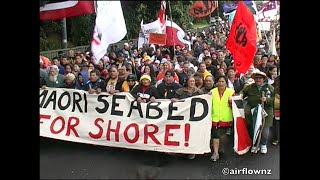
(242, 38)
(110, 28)
(230, 7)
(146, 29)
(269, 11)
(203, 8)
(272, 46)
(162, 16)
(175, 35)
(242, 141)
(64, 9)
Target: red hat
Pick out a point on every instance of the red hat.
(166, 56)
(104, 72)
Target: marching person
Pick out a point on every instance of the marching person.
(95, 84)
(132, 81)
(145, 92)
(221, 114)
(254, 95)
(188, 90)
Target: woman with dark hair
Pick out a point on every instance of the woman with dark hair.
(221, 114)
(233, 82)
(188, 90)
(148, 69)
(113, 83)
(271, 74)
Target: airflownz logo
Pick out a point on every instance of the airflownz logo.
(246, 171)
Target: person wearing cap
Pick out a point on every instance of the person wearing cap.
(168, 87)
(54, 79)
(69, 81)
(95, 84)
(43, 73)
(145, 92)
(221, 114)
(258, 93)
(132, 81)
(148, 69)
(46, 61)
(104, 74)
(164, 66)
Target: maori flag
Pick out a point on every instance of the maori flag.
(54, 10)
(242, 141)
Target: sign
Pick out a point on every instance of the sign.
(119, 121)
(155, 38)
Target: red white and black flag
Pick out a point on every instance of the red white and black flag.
(242, 140)
(59, 9)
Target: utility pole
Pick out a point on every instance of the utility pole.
(64, 33)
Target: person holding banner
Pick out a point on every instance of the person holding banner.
(114, 84)
(221, 114)
(95, 84)
(257, 93)
(132, 81)
(145, 92)
(188, 90)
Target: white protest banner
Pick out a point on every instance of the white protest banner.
(146, 29)
(119, 121)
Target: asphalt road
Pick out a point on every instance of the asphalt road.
(67, 160)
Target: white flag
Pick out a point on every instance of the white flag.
(272, 47)
(110, 28)
(142, 38)
(257, 113)
(146, 29)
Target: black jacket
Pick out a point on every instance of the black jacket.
(168, 92)
(151, 91)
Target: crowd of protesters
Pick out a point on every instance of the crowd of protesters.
(156, 72)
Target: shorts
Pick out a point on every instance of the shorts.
(217, 132)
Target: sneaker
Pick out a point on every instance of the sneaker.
(214, 157)
(275, 142)
(254, 149)
(264, 149)
(191, 156)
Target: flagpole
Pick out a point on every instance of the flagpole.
(171, 29)
(64, 33)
